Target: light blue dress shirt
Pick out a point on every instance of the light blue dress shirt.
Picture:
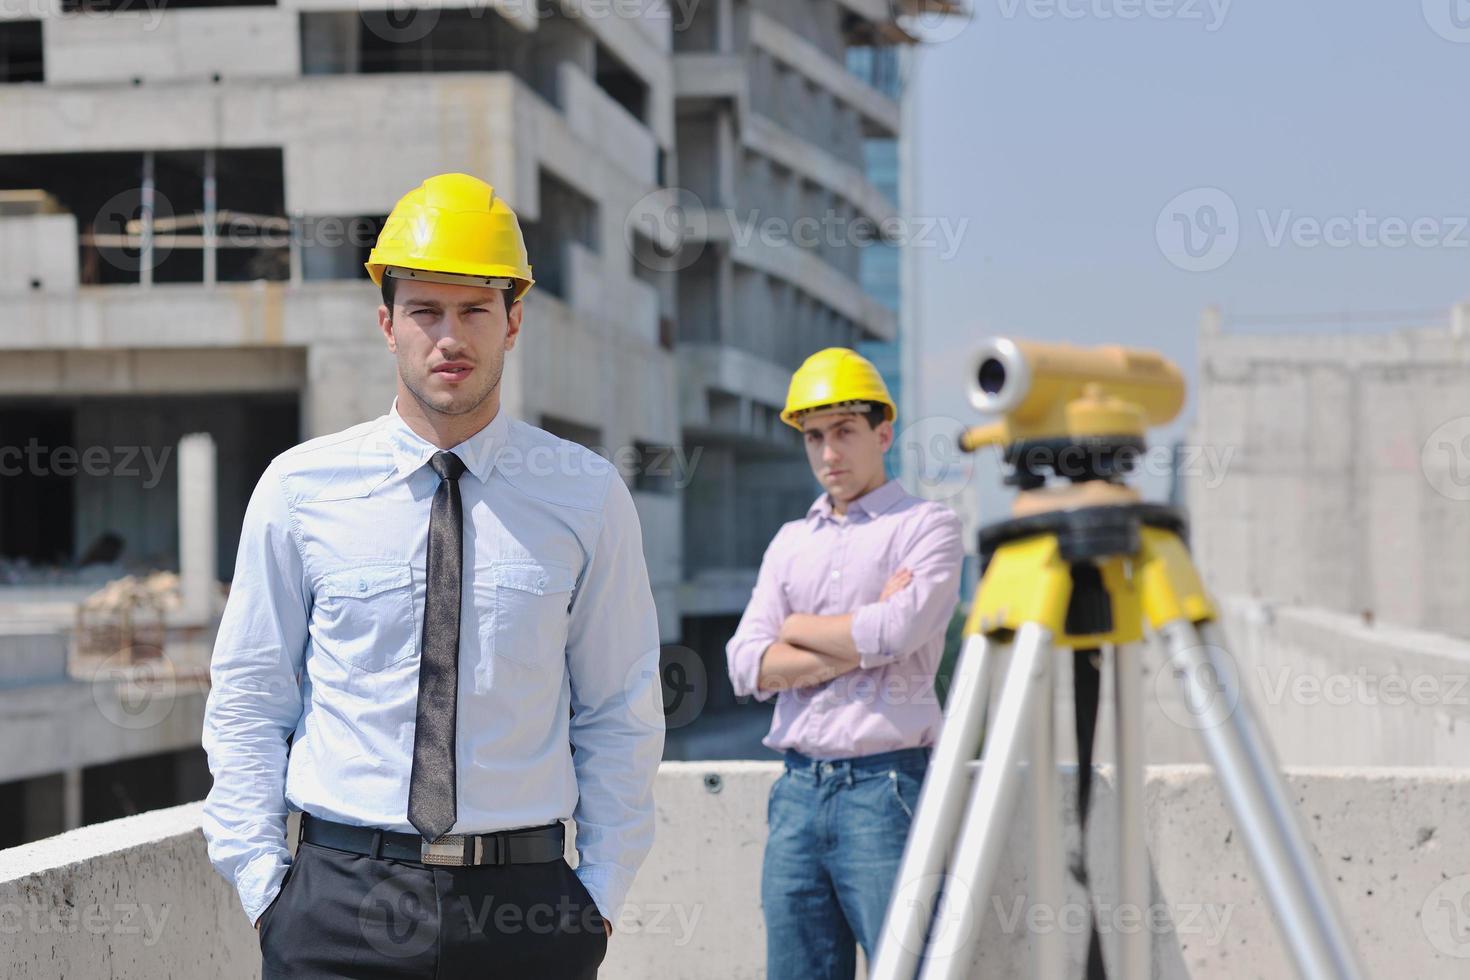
(559, 649)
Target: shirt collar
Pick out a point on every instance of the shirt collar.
(478, 452)
(872, 503)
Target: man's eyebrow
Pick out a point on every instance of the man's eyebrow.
(436, 304)
(839, 423)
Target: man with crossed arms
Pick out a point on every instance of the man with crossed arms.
(845, 628)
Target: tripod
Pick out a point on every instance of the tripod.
(1084, 567)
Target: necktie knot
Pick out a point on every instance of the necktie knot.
(447, 465)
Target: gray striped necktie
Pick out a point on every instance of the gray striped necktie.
(431, 789)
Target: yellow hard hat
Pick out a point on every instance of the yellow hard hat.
(835, 379)
(453, 228)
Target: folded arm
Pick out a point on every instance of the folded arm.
(914, 605)
(749, 650)
(832, 636)
(888, 630)
(786, 667)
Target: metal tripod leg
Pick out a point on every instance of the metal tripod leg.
(1305, 910)
(1048, 869)
(1133, 946)
(937, 819)
(988, 818)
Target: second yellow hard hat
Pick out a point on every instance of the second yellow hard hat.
(835, 378)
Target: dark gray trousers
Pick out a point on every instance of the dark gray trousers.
(344, 915)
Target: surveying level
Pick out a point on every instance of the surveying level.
(1082, 564)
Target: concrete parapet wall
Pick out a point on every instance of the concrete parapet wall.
(138, 898)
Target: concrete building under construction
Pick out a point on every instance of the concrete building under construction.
(187, 195)
(1341, 463)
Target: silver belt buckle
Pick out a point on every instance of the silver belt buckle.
(446, 850)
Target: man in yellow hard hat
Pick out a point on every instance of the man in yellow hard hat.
(845, 628)
(436, 625)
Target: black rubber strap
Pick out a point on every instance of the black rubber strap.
(1086, 692)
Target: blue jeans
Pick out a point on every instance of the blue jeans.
(837, 831)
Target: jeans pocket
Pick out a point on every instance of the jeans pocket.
(905, 791)
(771, 798)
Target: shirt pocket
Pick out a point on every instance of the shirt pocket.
(529, 605)
(364, 616)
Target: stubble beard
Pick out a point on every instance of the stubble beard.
(457, 403)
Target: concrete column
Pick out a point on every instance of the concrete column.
(145, 272)
(211, 216)
(724, 297)
(724, 26)
(71, 798)
(561, 40)
(727, 161)
(1210, 322)
(197, 526)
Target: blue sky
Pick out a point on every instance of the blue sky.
(1061, 138)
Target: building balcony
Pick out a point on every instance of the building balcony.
(710, 75)
(879, 113)
(730, 394)
(790, 263)
(488, 123)
(705, 77)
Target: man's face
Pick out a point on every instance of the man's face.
(450, 341)
(845, 453)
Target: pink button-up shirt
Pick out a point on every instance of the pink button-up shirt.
(829, 566)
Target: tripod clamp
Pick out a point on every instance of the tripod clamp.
(1086, 532)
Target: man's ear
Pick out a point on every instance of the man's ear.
(513, 324)
(885, 435)
(385, 324)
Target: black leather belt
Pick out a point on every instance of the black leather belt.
(533, 845)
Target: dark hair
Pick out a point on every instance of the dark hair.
(390, 284)
(876, 413)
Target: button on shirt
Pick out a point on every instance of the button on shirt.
(320, 641)
(829, 566)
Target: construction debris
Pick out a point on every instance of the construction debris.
(126, 616)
